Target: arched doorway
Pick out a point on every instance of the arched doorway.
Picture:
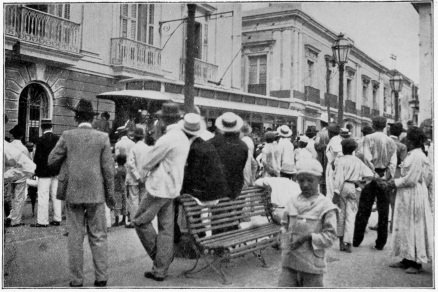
(34, 105)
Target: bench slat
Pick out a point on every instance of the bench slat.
(215, 216)
(233, 241)
(236, 233)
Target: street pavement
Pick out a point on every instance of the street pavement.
(37, 257)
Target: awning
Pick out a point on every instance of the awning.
(199, 101)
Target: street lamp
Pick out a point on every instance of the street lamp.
(396, 86)
(341, 48)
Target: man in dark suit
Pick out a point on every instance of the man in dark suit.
(47, 180)
(232, 151)
(90, 171)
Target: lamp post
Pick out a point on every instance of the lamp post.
(396, 86)
(341, 49)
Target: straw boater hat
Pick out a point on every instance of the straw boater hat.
(121, 129)
(284, 131)
(310, 166)
(304, 139)
(192, 124)
(229, 122)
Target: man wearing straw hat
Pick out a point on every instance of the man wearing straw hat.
(286, 149)
(86, 152)
(165, 161)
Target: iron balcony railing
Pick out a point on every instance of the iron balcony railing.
(41, 28)
(134, 54)
(203, 71)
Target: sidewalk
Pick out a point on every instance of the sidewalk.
(37, 257)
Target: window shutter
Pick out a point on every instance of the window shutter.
(124, 10)
(124, 28)
(205, 42)
(67, 11)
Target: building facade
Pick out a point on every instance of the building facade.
(56, 54)
(288, 54)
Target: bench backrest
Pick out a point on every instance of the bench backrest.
(251, 202)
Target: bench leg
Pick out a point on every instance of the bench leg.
(261, 258)
(223, 275)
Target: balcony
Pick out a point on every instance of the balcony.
(350, 107)
(36, 34)
(366, 112)
(376, 112)
(312, 94)
(129, 56)
(203, 71)
(332, 98)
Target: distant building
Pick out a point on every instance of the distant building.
(424, 102)
(287, 53)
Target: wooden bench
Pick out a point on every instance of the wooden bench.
(228, 214)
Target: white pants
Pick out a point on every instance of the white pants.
(329, 181)
(19, 195)
(47, 187)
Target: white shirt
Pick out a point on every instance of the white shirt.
(166, 161)
(350, 168)
(123, 147)
(134, 173)
(18, 166)
(286, 150)
(17, 144)
(380, 151)
(282, 189)
(302, 154)
(311, 148)
(334, 150)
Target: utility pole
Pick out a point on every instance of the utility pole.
(327, 80)
(189, 86)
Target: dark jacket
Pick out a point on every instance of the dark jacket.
(204, 175)
(233, 153)
(44, 146)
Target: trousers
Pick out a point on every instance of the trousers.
(47, 187)
(90, 219)
(135, 194)
(19, 195)
(293, 278)
(159, 246)
(370, 193)
(347, 212)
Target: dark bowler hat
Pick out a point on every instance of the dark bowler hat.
(311, 130)
(169, 109)
(46, 123)
(84, 107)
(138, 133)
(334, 129)
(17, 131)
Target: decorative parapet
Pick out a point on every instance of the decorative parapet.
(312, 94)
(366, 112)
(204, 71)
(135, 55)
(350, 107)
(41, 28)
(333, 100)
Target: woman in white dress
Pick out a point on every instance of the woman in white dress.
(412, 237)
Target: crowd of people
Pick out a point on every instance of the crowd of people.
(323, 186)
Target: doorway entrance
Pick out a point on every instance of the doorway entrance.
(33, 106)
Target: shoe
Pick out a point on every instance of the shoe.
(399, 265)
(374, 228)
(39, 225)
(75, 285)
(347, 248)
(150, 275)
(377, 248)
(8, 222)
(413, 270)
(55, 223)
(129, 225)
(100, 283)
(18, 225)
(65, 234)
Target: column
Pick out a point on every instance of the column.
(286, 60)
(276, 62)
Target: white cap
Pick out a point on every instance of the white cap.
(304, 139)
(310, 166)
